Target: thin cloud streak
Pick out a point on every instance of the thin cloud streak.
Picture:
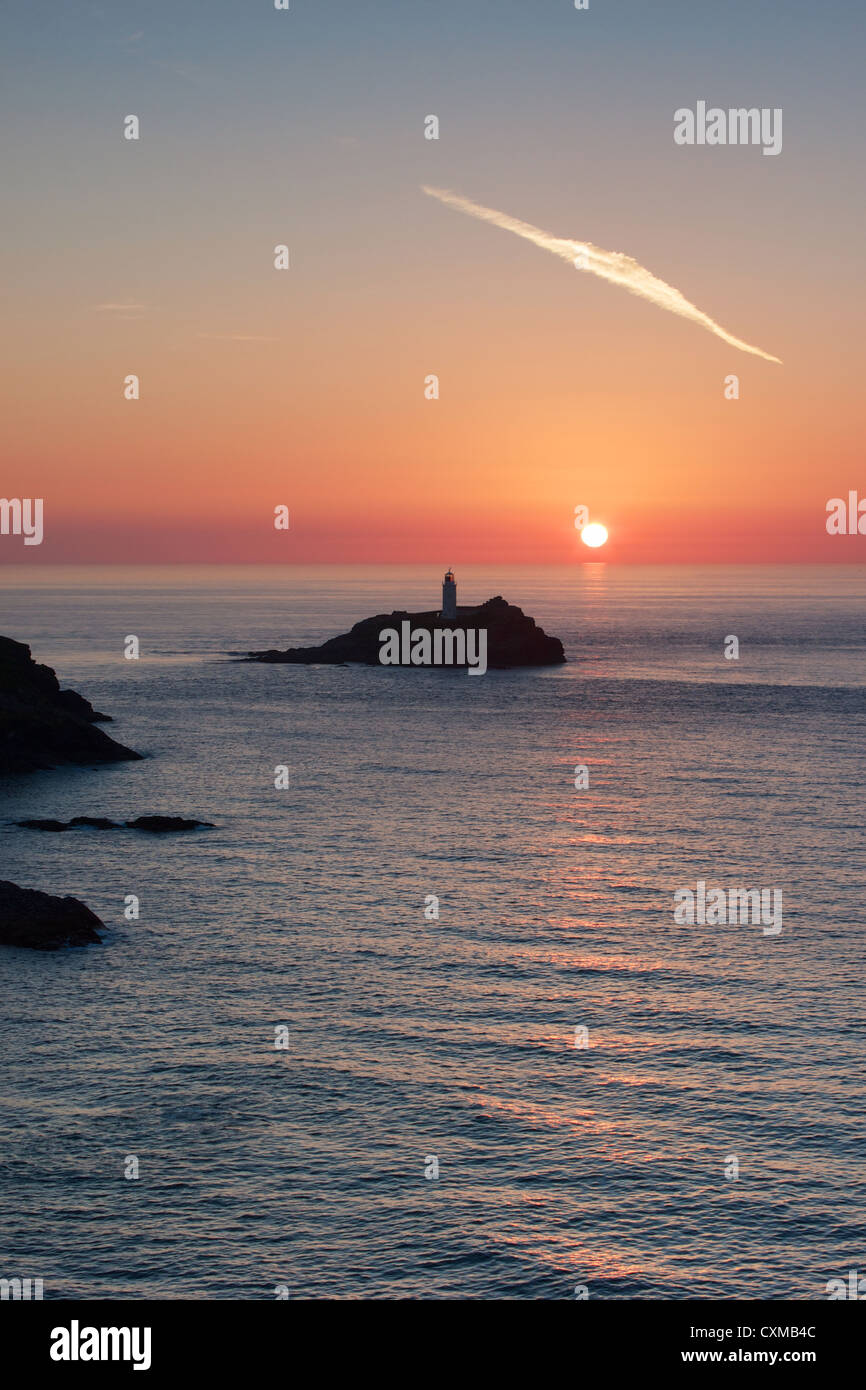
(609, 265)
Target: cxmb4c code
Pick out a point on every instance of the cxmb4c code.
(721, 1334)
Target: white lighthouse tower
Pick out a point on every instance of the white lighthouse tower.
(449, 596)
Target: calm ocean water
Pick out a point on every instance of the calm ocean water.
(602, 1166)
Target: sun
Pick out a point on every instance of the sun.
(594, 534)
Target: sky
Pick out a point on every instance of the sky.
(306, 388)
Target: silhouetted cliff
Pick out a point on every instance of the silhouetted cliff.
(42, 725)
(44, 922)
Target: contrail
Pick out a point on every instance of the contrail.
(610, 265)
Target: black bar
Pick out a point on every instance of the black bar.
(225, 1338)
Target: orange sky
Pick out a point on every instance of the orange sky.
(306, 387)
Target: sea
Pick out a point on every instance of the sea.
(421, 1023)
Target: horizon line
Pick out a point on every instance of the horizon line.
(424, 564)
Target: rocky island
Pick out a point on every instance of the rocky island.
(41, 725)
(513, 638)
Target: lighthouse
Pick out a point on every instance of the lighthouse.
(449, 596)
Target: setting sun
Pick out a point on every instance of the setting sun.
(594, 534)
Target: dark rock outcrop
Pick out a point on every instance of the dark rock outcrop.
(40, 724)
(162, 825)
(513, 638)
(49, 825)
(43, 922)
(155, 825)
